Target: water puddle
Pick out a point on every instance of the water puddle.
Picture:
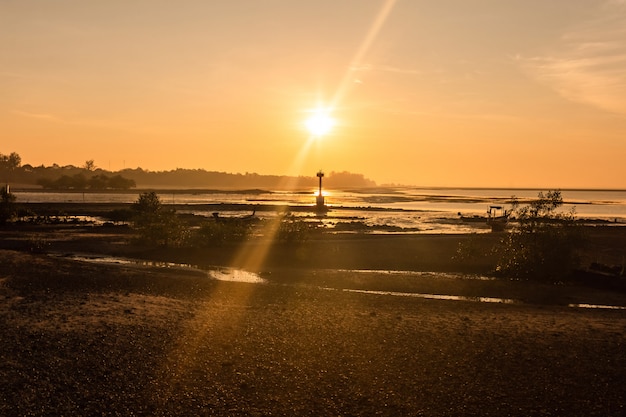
(236, 275)
(467, 298)
(597, 306)
(434, 296)
(97, 259)
(239, 275)
(220, 274)
(419, 274)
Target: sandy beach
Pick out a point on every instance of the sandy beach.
(333, 330)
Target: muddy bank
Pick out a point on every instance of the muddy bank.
(417, 252)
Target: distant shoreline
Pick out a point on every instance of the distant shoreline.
(235, 190)
(402, 210)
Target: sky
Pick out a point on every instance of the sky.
(453, 93)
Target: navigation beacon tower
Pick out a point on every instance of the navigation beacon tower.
(319, 199)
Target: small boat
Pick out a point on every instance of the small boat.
(472, 219)
(497, 218)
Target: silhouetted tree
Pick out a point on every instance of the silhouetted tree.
(65, 182)
(147, 203)
(79, 182)
(45, 183)
(117, 182)
(10, 162)
(90, 165)
(7, 205)
(99, 182)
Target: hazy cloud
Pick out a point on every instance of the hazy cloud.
(588, 65)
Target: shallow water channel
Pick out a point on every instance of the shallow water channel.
(239, 275)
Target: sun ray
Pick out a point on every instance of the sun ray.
(319, 123)
(375, 28)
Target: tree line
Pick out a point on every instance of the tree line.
(89, 176)
(82, 182)
(55, 177)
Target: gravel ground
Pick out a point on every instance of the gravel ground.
(87, 339)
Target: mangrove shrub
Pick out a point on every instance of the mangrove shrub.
(156, 224)
(545, 243)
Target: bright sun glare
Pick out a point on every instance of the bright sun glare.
(319, 123)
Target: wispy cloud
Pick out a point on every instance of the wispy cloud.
(40, 116)
(5, 74)
(90, 123)
(385, 68)
(589, 63)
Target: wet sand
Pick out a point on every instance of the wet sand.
(84, 338)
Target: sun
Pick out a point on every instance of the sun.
(320, 123)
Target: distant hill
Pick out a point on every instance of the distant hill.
(211, 179)
(72, 177)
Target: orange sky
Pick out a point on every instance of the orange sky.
(447, 93)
